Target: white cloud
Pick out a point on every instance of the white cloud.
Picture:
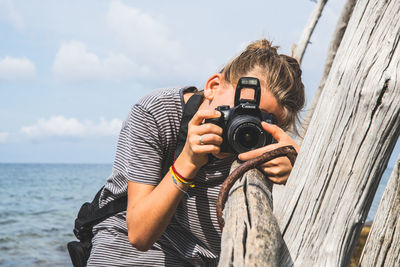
(12, 15)
(142, 50)
(141, 35)
(104, 128)
(3, 137)
(148, 40)
(16, 68)
(59, 126)
(74, 62)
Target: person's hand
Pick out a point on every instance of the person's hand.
(202, 139)
(277, 170)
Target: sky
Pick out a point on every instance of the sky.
(71, 70)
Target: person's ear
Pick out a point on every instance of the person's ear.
(212, 85)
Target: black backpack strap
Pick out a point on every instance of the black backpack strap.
(189, 110)
(96, 198)
(90, 214)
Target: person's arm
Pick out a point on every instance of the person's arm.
(150, 208)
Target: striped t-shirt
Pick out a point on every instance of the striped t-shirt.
(145, 150)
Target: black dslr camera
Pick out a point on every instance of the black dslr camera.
(241, 125)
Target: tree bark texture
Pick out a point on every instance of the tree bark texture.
(299, 49)
(333, 47)
(251, 236)
(348, 143)
(383, 244)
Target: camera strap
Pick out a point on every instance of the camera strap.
(189, 110)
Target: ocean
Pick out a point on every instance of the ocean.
(39, 203)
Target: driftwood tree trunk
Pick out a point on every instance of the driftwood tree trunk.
(348, 143)
(383, 244)
(251, 236)
(340, 28)
(299, 49)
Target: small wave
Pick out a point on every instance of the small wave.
(10, 213)
(42, 212)
(6, 240)
(5, 222)
(51, 230)
(40, 262)
(5, 248)
(62, 248)
(29, 235)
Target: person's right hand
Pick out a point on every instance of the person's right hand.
(202, 139)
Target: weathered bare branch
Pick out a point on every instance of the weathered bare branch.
(287, 151)
(299, 49)
(383, 244)
(251, 236)
(333, 47)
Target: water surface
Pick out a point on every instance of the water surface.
(39, 203)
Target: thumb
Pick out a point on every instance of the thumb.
(274, 130)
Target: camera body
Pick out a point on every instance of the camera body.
(241, 125)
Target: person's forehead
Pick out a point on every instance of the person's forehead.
(269, 103)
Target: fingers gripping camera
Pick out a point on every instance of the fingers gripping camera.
(241, 125)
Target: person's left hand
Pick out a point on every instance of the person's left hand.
(278, 169)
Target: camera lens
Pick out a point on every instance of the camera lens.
(248, 137)
(245, 133)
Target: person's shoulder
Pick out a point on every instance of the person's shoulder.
(160, 97)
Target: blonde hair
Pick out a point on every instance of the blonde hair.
(281, 74)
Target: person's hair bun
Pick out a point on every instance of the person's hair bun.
(263, 44)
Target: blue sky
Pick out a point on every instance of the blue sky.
(71, 70)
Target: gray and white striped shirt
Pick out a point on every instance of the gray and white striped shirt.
(145, 150)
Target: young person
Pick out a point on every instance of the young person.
(167, 222)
